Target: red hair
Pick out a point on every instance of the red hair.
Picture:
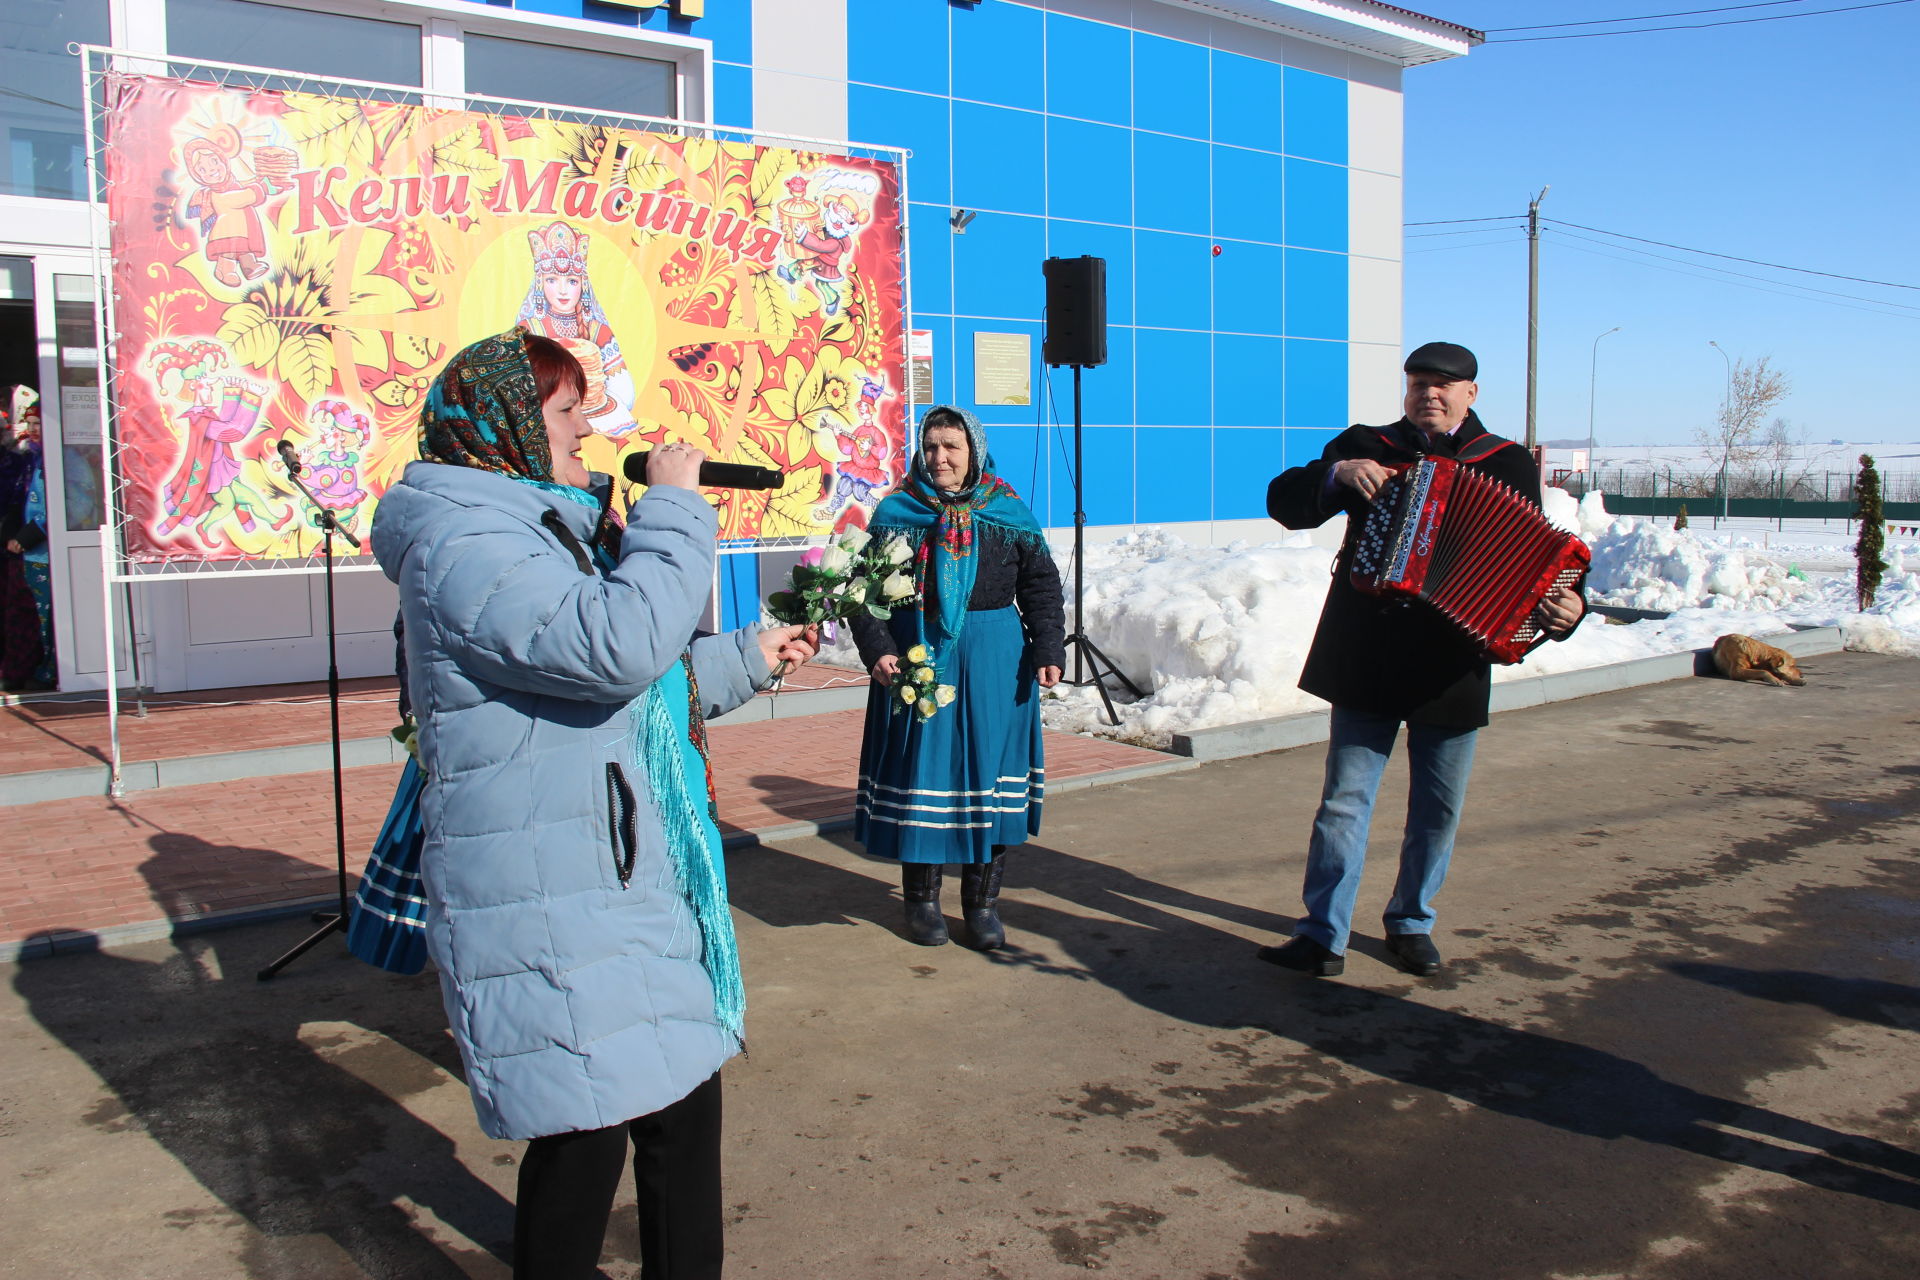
(553, 368)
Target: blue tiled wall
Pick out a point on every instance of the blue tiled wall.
(1213, 183)
(1070, 137)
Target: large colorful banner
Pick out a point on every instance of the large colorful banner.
(299, 266)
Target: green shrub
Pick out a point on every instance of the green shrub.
(1873, 534)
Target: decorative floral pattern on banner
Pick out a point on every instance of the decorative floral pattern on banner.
(298, 266)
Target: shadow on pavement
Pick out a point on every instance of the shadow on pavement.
(210, 1064)
(1861, 999)
(1157, 955)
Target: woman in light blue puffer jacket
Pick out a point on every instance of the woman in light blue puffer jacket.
(577, 897)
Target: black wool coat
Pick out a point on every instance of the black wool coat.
(1010, 572)
(1393, 657)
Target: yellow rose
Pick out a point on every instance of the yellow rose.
(927, 707)
(944, 694)
(923, 676)
(907, 693)
(918, 654)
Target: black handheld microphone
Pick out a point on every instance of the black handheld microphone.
(715, 475)
(286, 455)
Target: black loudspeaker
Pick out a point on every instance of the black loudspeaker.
(1076, 311)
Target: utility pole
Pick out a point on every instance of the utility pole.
(1533, 312)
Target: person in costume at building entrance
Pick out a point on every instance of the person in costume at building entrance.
(576, 897)
(26, 595)
(960, 781)
(1383, 663)
(206, 490)
(561, 305)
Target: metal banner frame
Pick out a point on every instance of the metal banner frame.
(99, 62)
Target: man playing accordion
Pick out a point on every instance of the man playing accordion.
(1383, 662)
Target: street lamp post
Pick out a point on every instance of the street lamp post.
(1726, 416)
(1593, 370)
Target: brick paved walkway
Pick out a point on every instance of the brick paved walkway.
(186, 852)
(61, 734)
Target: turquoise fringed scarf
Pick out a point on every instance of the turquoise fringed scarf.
(942, 528)
(670, 747)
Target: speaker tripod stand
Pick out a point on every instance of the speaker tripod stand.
(1090, 666)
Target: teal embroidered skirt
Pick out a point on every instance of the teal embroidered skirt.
(950, 788)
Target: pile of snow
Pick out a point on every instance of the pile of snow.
(1217, 635)
(1644, 565)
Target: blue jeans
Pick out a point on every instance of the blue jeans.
(1440, 761)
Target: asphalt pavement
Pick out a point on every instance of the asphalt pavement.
(1674, 1038)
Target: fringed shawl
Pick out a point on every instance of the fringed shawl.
(945, 527)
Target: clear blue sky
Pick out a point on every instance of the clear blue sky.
(1791, 142)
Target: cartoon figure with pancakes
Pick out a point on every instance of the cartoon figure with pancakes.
(227, 203)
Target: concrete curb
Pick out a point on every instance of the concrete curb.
(314, 757)
(188, 771)
(1256, 737)
(827, 826)
(67, 942)
(78, 941)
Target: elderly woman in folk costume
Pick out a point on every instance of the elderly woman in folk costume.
(961, 781)
(560, 304)
(576, 897)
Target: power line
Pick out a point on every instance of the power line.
(1474, 244)
(1447, 222)
(1471, 231)
(1872, 309)
(1753, 262)
(1700, 26)
(1854, 297)
(1645, 17)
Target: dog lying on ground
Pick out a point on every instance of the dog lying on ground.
(1740, 657)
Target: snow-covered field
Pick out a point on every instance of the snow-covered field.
(1218, 634)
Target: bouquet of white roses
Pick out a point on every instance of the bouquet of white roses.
(915, 689)
(856, 574)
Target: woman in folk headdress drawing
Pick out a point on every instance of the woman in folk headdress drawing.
(561, 305)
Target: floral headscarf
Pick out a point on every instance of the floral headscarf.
(942, 526)
(484, 411)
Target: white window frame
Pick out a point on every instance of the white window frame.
(444, 24)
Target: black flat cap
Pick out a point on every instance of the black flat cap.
(1449, 358)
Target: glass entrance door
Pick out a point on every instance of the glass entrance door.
(67, 373)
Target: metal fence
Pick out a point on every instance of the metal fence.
(1662, 491)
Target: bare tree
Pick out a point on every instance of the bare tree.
(1753, 388)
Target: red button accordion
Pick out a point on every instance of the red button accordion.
(1469, 546)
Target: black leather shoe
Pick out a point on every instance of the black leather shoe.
(1304, 955)
(1415, 953)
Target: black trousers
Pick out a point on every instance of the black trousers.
(567, 1182)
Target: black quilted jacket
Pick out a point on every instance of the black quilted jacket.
(1010, 573)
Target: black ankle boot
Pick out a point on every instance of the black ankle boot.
(920, 886)
(980, 901)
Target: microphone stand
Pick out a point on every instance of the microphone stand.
(329, 921)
